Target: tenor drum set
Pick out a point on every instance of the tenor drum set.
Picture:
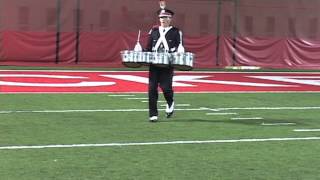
(179, 60)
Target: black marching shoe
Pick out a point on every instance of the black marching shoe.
(169, 110)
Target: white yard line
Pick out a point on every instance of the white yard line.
(260, 108)
(264, 108)
(158, 101)
(178, 105)
(306, 130)
(277, 124)
(218, 114)
(156, 143)
(135, 98)
(246, 118)
(182, 105)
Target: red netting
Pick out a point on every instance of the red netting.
(220, 32)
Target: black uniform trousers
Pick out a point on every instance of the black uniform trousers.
(159, 76)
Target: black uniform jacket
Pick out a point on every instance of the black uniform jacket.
(172, 37)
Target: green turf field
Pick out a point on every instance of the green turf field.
(71, 119)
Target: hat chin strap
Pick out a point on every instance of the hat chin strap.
(162, 39)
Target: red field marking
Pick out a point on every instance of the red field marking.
(129, 82)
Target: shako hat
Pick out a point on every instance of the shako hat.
(165, 13)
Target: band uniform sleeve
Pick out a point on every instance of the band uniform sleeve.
(176, 40)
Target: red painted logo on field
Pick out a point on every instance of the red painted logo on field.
(127, 82)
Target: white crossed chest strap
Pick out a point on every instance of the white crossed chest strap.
(162, 39)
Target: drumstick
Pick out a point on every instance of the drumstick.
(180, 47)
(138, 36)
(180, 37)
(138, 47)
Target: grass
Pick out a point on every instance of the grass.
(244, 160)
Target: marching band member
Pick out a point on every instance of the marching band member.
(163, 38)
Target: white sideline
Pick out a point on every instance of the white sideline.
(91, 110)
(143, 110)
(155, 143)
